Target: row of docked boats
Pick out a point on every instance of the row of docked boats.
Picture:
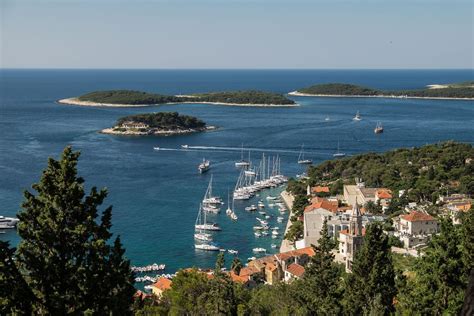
(252, 180)
(148, 268)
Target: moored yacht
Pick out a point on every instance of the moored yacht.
(8, 222)
(208, 247)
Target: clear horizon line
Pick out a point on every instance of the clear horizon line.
(197, 68)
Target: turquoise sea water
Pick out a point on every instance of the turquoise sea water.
(156, 194)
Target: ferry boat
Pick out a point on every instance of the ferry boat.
(301, 159)
(379, 128)
(357, 117)
(8, 222)
(204, 166)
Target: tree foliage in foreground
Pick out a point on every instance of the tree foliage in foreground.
(65, 257)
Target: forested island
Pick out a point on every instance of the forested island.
(161, 123)
(463, 90)
(123, 98)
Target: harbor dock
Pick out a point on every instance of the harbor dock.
(288, 200)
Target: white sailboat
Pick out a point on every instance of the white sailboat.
(242, 162)
(379, 128)
(338, 154)
(301, 159)
(209, 198)
(201, 222)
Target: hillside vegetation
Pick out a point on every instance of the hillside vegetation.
(425, 172)
(231, 97)
(164, 120)
(455, 90)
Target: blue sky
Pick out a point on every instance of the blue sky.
(236, 34)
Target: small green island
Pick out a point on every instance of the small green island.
(160, 124)
(131, 98)
(456, 91)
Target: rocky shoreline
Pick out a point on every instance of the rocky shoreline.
(154, 131)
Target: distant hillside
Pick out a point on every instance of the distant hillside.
(232, 97)
(244, 97)
(453, 90)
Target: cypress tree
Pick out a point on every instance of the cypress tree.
(321, 289)
(370, 288)
(440, 278)
(16, 297)
(236, 265)
(65, 252)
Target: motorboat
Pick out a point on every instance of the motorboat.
(257, 234)
(156, 148)
(259, 250)
(203, 236)
(357, 117)
(251, 208)
(8, 222)
(273, 246)
(185, 146)
(280, 219)
(234, 252)
(378, 128)
(207, 247)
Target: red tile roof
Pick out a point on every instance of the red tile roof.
(249, 270)
(296, 253)
(295, 269)
(319, 189)
(384, 194)
(238, 278)
(163, 284)
(322, 203)
(415, 216)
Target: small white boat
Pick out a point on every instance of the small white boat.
(327, 118)
(259, 250)
(357, 117)
(275, 233)
(234, 252)
(273, 246)
(156, 148)
(257, 234)
(203, 236)
(280, 219)
(265, 233)
(185, 146)
(251, 258)
(275, 228)
(267, 216)
(262, 212)
(251, 208)
(379, 128)
(207, 247)
(222, 250)
(257, 227)
(233, 216)
(271, 198)
(274, 236)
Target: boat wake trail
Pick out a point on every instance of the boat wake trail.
(224, 149)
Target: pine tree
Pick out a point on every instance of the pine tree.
(321, 289)
(65, 253)
(236, 265)
(371, 285)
